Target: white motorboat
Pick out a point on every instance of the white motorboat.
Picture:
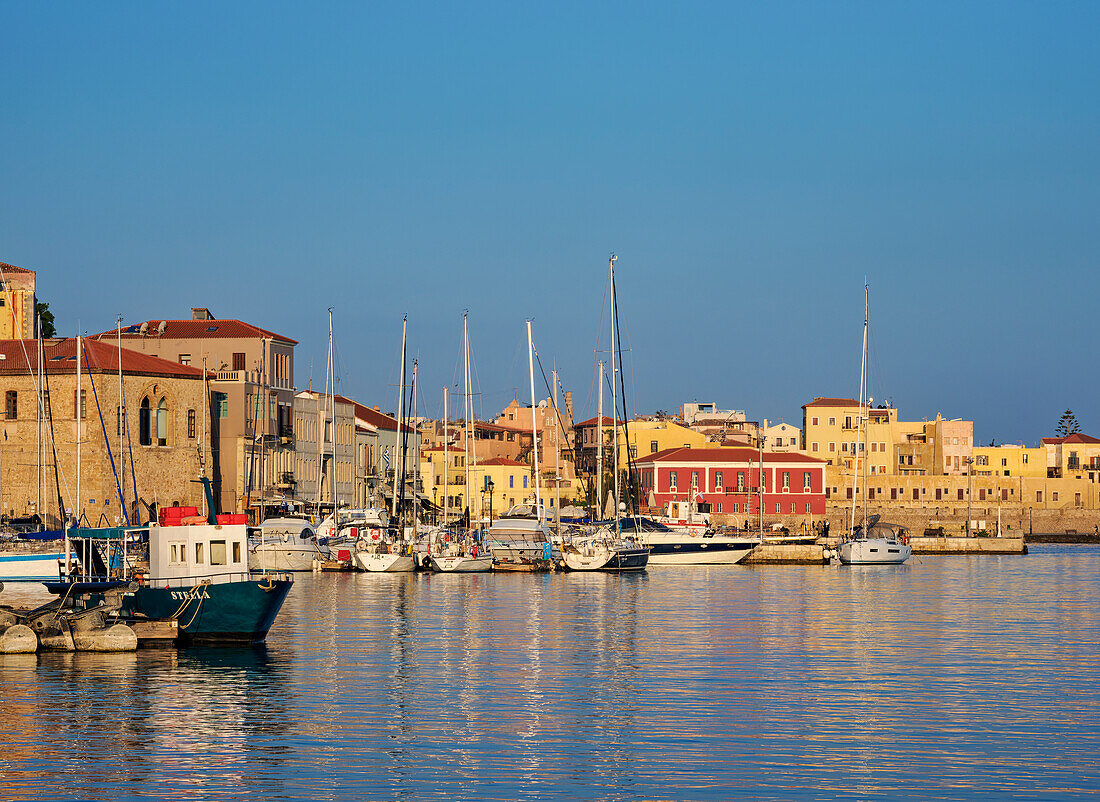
(518, 536)
(32, 564)
(668, 546)
(285, 544)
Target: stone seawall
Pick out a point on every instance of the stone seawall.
(952, 519)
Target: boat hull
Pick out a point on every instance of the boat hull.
(31, 565)
(378, 563)
(873, 551)
(605, 558)
(699, 551)
(282, 557)
(462, 564)
(225, 612)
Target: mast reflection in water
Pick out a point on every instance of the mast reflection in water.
(948, 678)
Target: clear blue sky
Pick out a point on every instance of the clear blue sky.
(750, 164)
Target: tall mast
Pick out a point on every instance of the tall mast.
(859, 425)
(41, 411)
(416, 457)
(557, 469)
(77, 416)
(614, 392)
(534, 424)
(331, 380)
(599, 448)
(446, 455)
(467, 407)
(121, 424)
(202, 446)
(865, 389)
(400, 415)
(760, 482)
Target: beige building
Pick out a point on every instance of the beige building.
(1009, 460)
(782, 437)
(324, 437)
(252, 393)
(890, 446)
(158, 442)
(17, 302)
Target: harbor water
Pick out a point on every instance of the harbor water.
(946, 678)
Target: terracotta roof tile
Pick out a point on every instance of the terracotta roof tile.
(711, 455)
(13, 269)
(195, 330)
(832, 402)
(60, 357)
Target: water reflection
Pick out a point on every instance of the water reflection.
(944, 679)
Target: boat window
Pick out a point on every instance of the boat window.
(175, 555)
(217, 552)
(236, 551)
(198, 554)
(307, 533)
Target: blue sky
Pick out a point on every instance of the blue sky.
(750, 164)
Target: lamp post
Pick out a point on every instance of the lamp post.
(489, 487)
(969, 473)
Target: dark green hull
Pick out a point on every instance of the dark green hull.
(229, 612)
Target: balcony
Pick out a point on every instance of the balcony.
(286, 481)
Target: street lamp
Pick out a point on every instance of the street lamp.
(969, 473)
(489, 487)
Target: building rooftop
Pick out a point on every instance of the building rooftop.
(193, 330)
(724, 455)
(832, 402)
(1073, 438)
(13, 269)
(60, 357)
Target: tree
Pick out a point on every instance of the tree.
(1067, 424)
(43, 314)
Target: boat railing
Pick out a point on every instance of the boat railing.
(190, 582)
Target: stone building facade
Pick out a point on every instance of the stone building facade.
(157, 442)
(17, 301)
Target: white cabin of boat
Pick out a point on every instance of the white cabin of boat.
(201, 551)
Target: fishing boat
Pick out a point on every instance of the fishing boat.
(870, 543)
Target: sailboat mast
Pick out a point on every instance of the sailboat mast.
(41, 406)
(467, 406)
(121, 424)
(416, 458)
(557, 467)
(331, 379)
(400, 410)
(614, 391)
(534, 424)
(864, 389)
(599, 447)
(859, 425)
(77, 417)
(446, 456)
(202, 446)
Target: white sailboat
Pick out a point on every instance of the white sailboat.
(870, 543)
(390, 553)
(609, 548)
(464, 555)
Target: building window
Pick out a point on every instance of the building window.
(221, 405)
(191, 417)
(81, 410)
(832, 421)
(694, 479)
(11, 405)
(814, 421)
(792, 508)
(786, 480)
(652, 446)
(718, 507)
(813, 447)
(777, 508)
(1054, 496)
(807, 509)
(238, 361)
(718, 481)
(1023, 458)
(740, 481)
(832, 446)
(1039, 496)
(511, 480)
(185, 359)
(525, 481)
(672, 480)
(162, 423)
(145, 423)
(806, 480)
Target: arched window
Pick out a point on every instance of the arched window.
(145, 424)
(162, 423)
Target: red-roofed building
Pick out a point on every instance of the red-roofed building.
(158, 450)
(252, 398)
(727, 479)
(1075, 456)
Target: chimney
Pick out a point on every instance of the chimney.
(201, 313)
(569, 407)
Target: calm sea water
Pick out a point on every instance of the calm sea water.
(949, 678)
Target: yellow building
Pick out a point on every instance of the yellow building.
(16, 303)
(651, 436)
(1015, 460)
(893, 447)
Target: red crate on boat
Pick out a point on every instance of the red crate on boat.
(231, 518)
